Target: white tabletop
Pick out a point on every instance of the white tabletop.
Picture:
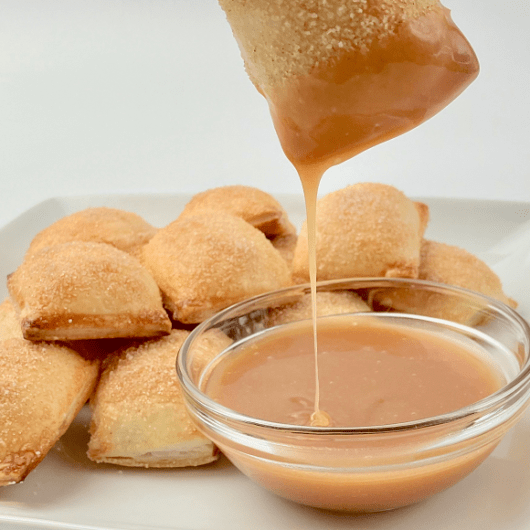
(143, 96)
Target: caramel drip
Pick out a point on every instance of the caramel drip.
(362, 98)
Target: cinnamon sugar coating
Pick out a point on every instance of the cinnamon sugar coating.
(42, 388)
(253, 205)
(206, 262)
(138, 413)
(279, 39)
(9, 322)
(328, 303)
(85, 290)
(450, 265)
(364, 230)
(124, 230)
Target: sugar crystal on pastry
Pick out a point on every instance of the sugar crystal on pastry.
(139, 417)
(86, 290)
(450, 265)
(255, 206)
(206, 262)
(124, 230)
(9, 322)
(365, 229)
(327, 303)
(42, 388)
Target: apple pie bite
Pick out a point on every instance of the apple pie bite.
(124, 230)
(86, 290)
(364, 230)
(451, 265)
(206, 262)
(327, 302)
(139, 418)
(43, 387)
(253, 205)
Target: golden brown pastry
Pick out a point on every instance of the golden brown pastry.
(286, 246)
(340, 77)
(124, 230)
(85, 290)
(9, 322)
(205, 348)
(138, 413)
(280, 40)
(451, 265)
(328, 303)
(42, 388)
(206, 262)
(364, 230)
(255, 206)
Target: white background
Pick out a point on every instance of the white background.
(105, 96)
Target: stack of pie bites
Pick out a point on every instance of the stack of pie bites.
(103, 301)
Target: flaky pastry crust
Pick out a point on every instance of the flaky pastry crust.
(450, 265)
(206, 262)
(124, 230)
(253, 205)
(9, 322)
(280, 39)
(364, 230)
(43, 387)
(138, 413)
(85, 290)
(328, 303)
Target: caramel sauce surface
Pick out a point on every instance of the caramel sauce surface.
(371, 373)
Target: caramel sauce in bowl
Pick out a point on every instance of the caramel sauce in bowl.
(362, 466)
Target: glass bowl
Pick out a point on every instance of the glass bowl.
(372, 468)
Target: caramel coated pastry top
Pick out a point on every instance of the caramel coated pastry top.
(43, 387)
(9, 322)
(364, 230)
(138, 413)
(124, 230)
(328, 303)
(206, 262)
(283, 38)
(451, 265)
(256, 207)
(83, 290)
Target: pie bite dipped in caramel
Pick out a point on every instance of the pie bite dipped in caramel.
(84, 290)
(122, 229)
(364, 230)
(341, 77)
(206, 262)
(139, 418)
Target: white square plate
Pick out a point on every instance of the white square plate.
(67, 491)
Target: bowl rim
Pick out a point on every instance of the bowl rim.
(492, 401)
